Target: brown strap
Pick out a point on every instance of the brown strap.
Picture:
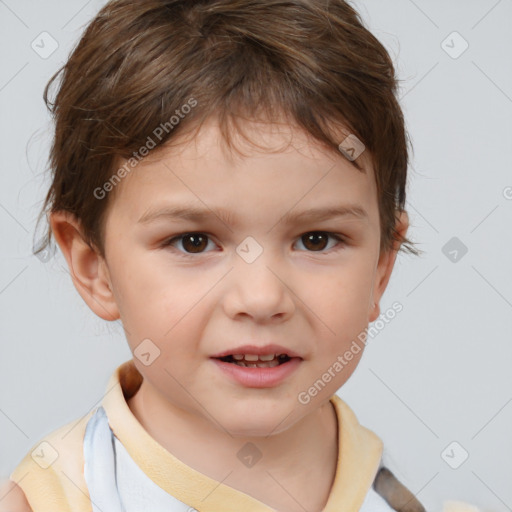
(397, 496)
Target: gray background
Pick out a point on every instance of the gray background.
(438, 373)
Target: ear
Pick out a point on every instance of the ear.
(88, 269)
(385, 267)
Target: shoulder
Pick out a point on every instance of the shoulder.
(12, 498)
(458, 506)
(396, 495)
(50, 475)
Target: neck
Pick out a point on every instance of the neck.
(311, 444)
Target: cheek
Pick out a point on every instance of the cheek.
(341, 309)
(145, 301)
(344, 299)
(165, 311)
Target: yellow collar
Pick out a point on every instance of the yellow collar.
(359, 454)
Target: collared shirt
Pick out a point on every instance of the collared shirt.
(107, 461)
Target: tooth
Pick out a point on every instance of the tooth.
(268, 357)
(265, 364)
(251, 357)
(238, 357)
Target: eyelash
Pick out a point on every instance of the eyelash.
(169, 241)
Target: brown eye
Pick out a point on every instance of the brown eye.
(194, 242)
(191, 243)
(317, 241)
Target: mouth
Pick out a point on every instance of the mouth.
(258, 371)
(248, 361)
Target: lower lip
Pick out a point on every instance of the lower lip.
(259, 377)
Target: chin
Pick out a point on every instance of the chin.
(247, 422)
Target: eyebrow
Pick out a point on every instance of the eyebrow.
(192, 213)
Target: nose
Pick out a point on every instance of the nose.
(259, 289)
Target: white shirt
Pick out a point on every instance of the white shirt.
(117, 484)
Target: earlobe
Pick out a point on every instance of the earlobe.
(385, 267)
(87, 268)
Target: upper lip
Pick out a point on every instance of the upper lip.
(257, 350)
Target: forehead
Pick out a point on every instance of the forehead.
(279, 166)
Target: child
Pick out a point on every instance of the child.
(202, 150)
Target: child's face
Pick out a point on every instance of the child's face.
(253, 280)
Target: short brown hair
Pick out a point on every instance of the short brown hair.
(140, 61)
